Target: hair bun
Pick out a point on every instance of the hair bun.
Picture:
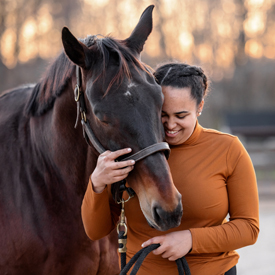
(182, 75)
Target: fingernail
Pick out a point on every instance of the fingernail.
(129, 149)
(142, 245)
(132, 161)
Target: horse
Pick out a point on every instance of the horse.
(46, 163)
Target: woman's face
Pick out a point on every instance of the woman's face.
(179, 114)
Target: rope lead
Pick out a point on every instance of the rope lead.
(139, 257)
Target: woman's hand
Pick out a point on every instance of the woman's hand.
(172, 245)
(108, 171)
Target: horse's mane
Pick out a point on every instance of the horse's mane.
(50, 87)
(58, 75)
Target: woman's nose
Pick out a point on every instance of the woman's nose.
(170, 123)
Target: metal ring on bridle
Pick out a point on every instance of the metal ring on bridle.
(129, 197)
(77, 95)
(125, 227)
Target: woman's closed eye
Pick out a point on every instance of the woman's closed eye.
(177, 116)
(181, 117)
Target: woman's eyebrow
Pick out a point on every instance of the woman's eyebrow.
(177, 113)
(182, 112)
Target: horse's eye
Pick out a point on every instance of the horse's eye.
(102, 118)
(105, 122)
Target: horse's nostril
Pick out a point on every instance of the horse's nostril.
(159, 214)
(167, 219)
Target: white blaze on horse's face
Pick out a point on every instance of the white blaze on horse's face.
(130, 85)
(127, 93)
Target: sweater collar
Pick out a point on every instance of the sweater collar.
(192, 140)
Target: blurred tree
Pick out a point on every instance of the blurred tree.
(225, 37)
(241, 13)
(31, 28)
(219, 33)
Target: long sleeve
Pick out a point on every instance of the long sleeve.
(99, 213)
(215, 176)
(243, 227)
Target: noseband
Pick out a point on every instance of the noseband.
(92, 140)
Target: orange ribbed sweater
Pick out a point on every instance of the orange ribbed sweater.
(215, 176)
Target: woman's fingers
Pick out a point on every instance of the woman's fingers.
(158, 239)
(108, 171)
(173, 245)
(164, 250)
(123, 164)
(116, 154)
(105, 153)
(125, 171)
(110, 157)
(160, 250)
(122, 173)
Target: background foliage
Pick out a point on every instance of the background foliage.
(233, 40)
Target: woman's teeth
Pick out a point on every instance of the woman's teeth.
(171, 132)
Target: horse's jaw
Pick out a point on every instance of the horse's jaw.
(159, 200)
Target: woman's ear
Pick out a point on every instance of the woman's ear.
(200, 108)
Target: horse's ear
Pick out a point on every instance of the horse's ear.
(74, 49)
(142, 30)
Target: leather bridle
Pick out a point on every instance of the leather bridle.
(92, 140)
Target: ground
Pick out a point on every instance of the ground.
(260, 257)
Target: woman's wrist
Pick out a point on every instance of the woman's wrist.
(98, 188)
(191, 242)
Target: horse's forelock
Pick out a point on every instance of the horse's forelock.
(107, 45)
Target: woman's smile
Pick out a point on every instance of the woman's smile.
(171, 133)
(179, 114)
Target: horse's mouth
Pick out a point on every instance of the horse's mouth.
(152, 225)
(171, 220)
(164, 227)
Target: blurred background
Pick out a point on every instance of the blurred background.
(232, 40)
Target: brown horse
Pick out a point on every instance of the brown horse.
(45, 162)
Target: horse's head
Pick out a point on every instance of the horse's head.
(124, 110)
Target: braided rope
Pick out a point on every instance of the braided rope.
(139, 257)
(121, 236)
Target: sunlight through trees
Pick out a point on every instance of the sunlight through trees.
(217, 34)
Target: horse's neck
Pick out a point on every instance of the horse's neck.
(63, 145)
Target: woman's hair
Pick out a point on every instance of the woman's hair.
(181, 75)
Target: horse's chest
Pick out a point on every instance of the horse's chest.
(33, 247)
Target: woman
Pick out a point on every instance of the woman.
(211, 170)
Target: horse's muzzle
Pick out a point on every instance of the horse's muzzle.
(164, 220)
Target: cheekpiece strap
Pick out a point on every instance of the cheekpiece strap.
(79, 97)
